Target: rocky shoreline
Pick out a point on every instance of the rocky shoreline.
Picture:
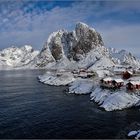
(105, 98)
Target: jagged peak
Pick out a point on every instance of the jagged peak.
(53, 34)
(83, 25)
(27, 47)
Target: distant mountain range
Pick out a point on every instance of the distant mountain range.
(81, 48)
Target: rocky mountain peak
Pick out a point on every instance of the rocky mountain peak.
(72, 45)
(123, 57)
(82, 29)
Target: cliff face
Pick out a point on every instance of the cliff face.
(73, 46)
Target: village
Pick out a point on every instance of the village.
(120, 76)
(112, 88)
(124, 77)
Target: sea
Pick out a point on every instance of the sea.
(30, 109)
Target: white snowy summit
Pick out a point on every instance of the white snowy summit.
(13, 57)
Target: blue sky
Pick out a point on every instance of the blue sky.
(31, 21)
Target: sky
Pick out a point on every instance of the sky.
(31, 21)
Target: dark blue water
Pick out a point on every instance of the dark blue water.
(29, 109)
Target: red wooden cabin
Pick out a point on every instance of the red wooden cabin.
(133, 85)
(127, 74)
(112, 83)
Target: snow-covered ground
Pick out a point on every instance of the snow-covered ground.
(81, 86)
(57, 79)
(135, 133)
(115, 100)
(103, 73)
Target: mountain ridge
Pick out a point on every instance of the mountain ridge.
(80, 48)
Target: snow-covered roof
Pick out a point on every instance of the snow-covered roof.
(119, 80)
(135, 82)
(129, 72)
(108, 79)
(119, 70)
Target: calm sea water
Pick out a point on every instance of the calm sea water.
(29, 109)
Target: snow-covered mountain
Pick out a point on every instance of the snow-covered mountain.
(80, 48)
(123, 57)
(16, 57)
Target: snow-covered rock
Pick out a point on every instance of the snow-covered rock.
(17, 57)
(57, 78)
(119, 101)
(115, 100)
(62, 64)
(81, 86)
(123, 57)
(134, 133)
(80, 48)
(99, 95)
